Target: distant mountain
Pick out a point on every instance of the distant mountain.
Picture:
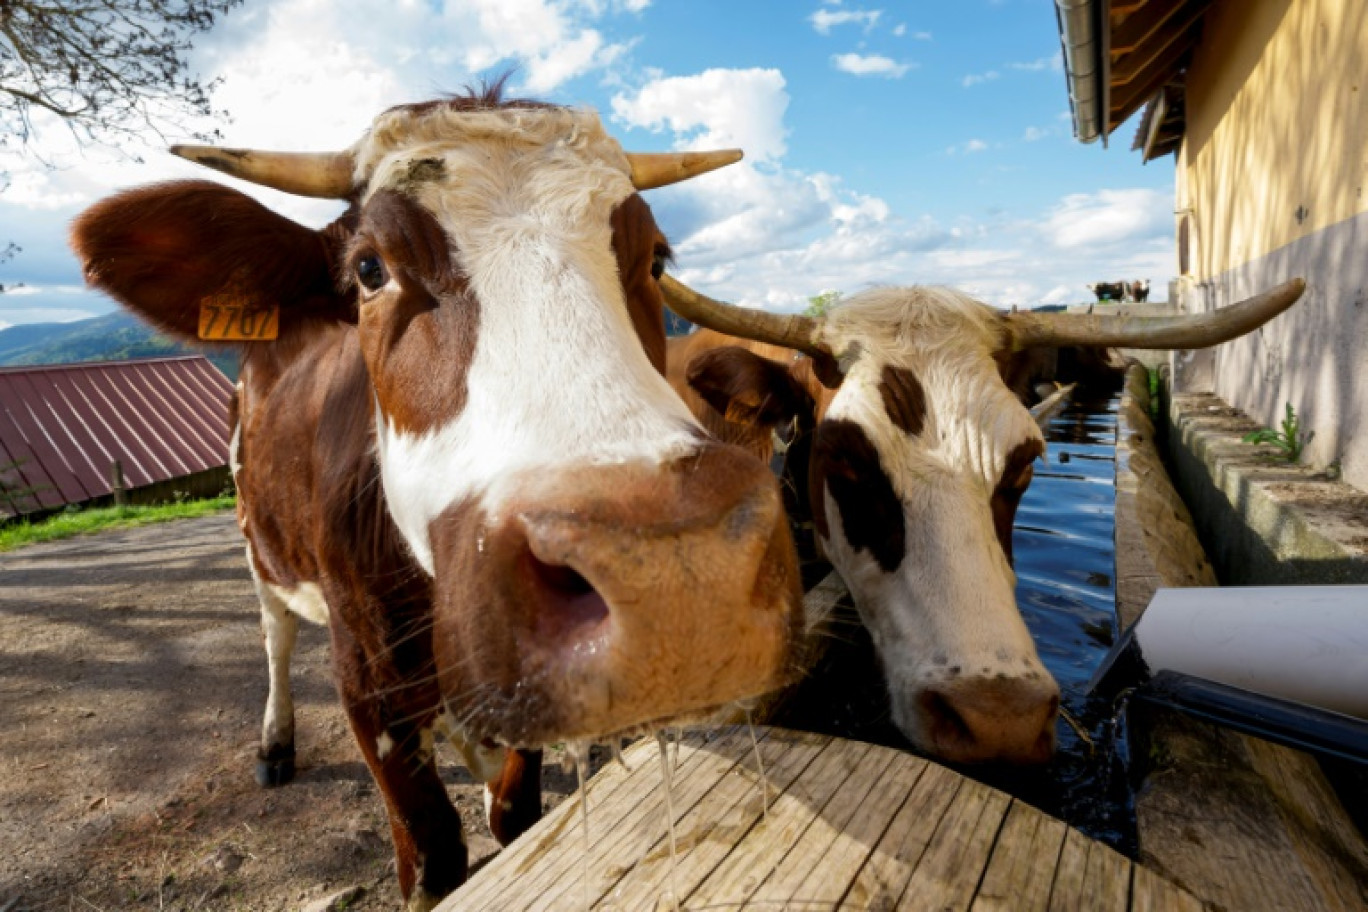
(118, 336)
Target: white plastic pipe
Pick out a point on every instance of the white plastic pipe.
(1308, 644)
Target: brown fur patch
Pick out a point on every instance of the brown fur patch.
(1016, 478)
(635, 241)
(747, 388)
(419, 340)
(845, 462)
(904, 398)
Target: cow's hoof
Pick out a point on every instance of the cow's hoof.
(275, 768)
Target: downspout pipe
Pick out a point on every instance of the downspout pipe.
(1081, 38)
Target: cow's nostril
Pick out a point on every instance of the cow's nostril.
(569, 607)
(562, 579)
(948, 724)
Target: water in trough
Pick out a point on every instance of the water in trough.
(1065, 566)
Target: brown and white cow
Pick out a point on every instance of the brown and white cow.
(460, 451)
(920, 455)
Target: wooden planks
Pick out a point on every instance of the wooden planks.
(848, 826)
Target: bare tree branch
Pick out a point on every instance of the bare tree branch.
(110, 69)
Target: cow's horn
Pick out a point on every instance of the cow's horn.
(327, 175)
(787, 330)
(1030, 330)
(659, 169)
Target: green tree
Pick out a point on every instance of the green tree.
(819, 304)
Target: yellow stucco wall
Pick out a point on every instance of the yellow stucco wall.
(1277, 127)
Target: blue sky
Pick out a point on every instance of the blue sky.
(893, 142)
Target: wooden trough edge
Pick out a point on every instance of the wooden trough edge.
(842, 825)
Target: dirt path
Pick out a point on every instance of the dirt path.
(131, 685)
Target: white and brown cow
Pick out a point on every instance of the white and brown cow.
(920, 455)
(460, 451)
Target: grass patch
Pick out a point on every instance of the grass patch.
(83, 522)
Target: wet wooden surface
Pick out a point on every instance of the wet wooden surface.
(845, 825)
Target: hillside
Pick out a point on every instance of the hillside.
(117, 336)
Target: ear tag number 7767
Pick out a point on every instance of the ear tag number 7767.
(229, 321)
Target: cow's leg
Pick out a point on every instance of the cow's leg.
(429, 847)
(513, 800)
(279, 627)
(384, 694)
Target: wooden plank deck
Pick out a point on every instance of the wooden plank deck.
(848, 826)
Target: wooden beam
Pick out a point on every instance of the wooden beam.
(1127, 99)
(1156, 123)
(1138, 26)
(1178, 30)
(1126, 6)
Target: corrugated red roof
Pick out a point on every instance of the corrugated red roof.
(64, 424)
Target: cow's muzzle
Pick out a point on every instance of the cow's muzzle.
(611, 598)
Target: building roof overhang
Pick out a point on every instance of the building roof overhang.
(1122, 55)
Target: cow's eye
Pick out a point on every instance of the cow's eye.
(370, 272)
(657, 265)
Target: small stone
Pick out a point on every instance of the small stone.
(335, 902)
(225, 859)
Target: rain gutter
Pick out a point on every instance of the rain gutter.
(1082, 40)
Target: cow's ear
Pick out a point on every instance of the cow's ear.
(168, 250)
(746, 388)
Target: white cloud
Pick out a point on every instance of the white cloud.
(870, 65)
(974, 79)
(967, 148)
(1054, 63)
(900, 31)
(38, 190)
(823, 20)
(1089, 220)
(1033, 134)
(712, 110)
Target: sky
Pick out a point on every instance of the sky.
(895, 142)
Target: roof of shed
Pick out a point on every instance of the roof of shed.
(62, 426)
(1137, 56)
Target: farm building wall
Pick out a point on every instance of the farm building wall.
(1270, 185)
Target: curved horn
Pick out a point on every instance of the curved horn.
(659, 169)
(786, 330)
(327, 175)
(1030, 330)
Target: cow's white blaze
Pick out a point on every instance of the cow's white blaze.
(558, 376)
(950, 604)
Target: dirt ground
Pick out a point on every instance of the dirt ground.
(132, 681)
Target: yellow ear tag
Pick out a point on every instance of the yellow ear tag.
(224, 319)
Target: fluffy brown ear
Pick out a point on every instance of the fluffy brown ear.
(167, 249)
(746, 388)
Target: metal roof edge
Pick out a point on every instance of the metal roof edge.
(1080, 39)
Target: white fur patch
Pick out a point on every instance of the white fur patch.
(383, 745)
(558, 376)
(305, 600)
(234, 443)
